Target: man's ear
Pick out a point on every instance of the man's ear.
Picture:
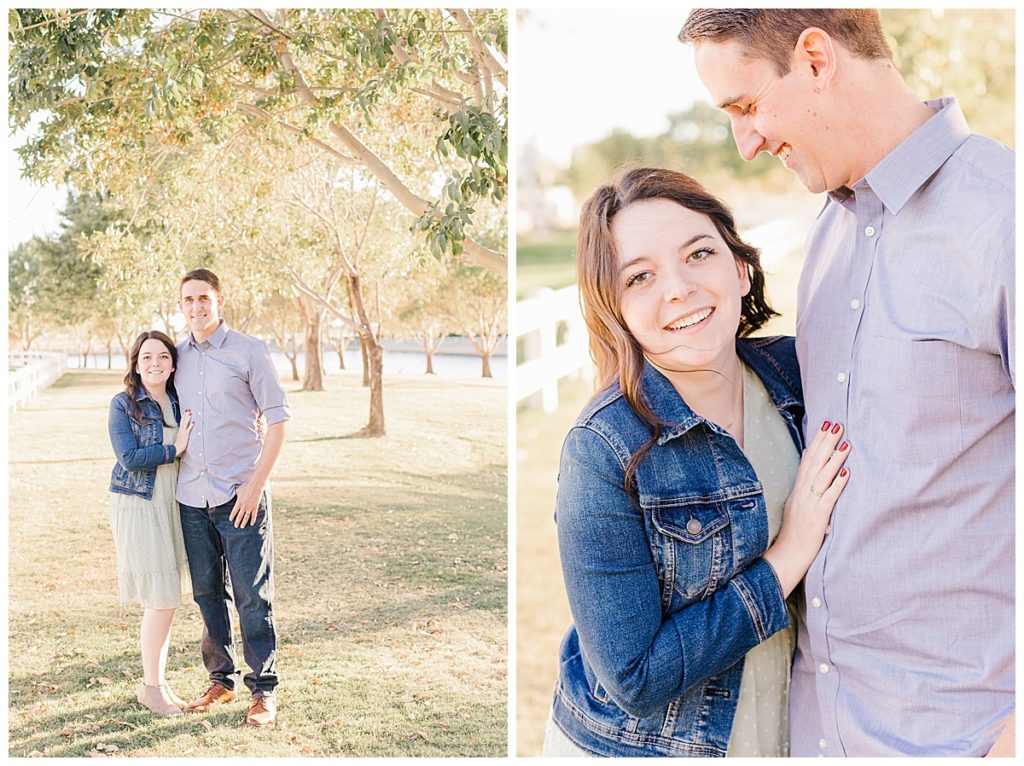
(815, 55)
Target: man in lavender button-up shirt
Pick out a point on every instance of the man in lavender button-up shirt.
(228, 381)
(905, 336)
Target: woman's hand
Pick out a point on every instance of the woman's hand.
(808, 511)
(184, 430)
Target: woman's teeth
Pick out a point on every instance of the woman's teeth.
(691, 320)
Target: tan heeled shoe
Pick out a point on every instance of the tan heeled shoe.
(174, 697)
(157, 699)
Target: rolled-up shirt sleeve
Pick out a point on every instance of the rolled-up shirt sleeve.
(266, 385)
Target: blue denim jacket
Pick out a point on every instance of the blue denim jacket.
(139, 449)
(667, 597)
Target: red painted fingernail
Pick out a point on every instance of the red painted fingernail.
(844, 472)
(835, 428)
(844, 446)
(825, 426)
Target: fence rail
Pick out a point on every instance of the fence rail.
(30, 373)
(552, 340)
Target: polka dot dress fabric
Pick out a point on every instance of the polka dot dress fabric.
(761, 727)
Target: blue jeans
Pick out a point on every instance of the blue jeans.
(230, 565)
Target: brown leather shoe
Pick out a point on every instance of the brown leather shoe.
(262, 710)
(215, 695)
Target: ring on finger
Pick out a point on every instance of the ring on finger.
(815, 492)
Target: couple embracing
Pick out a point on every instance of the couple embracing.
(190, 499)
(777, 546)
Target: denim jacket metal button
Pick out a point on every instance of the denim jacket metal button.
(670, 593)
(139, 449)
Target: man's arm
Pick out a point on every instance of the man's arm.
(1004, 745)
(248, 494)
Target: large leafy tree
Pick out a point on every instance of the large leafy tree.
(121, 92)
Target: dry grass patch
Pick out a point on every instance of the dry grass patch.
(391, 583)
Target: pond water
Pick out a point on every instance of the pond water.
(395, 363)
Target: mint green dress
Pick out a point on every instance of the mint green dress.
(152, 569)
(761, 726)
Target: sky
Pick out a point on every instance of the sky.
(578, 74)
(31, 209)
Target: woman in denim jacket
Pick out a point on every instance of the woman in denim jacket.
(673, 488)
(151, 566)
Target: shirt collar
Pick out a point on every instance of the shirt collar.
(217, 339)
(906, 168)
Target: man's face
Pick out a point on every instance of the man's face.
(773, 114)
(201, 305)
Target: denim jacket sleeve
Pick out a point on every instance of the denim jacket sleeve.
(129, 453)
(644, 658)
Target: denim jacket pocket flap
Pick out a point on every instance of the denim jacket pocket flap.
(689, 523)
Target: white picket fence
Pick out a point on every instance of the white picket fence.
(29, 373)
(554, 345)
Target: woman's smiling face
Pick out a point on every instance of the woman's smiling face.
(155, 363)
(681, 287)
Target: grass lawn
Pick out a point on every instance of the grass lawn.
(542, 614)
(545, 264)
(391, 583)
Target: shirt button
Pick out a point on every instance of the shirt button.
(816, 602)
(822, 744)
(841, 377)
(869, 231)
(854, 304)
(693, 526)
(823, 668)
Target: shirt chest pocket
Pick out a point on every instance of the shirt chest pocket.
(916, 391)
(694, 542)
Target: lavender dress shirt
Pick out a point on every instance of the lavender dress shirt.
(227, 381)
(905, 335)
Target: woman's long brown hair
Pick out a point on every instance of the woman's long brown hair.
(133, 381)
(614, 349)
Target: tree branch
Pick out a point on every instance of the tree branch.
(473, 251)
(264, 115)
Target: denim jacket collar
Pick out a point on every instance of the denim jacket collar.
(142, 394)
(667, 405)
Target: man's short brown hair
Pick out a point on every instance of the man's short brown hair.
(201, 275)
(772, 33)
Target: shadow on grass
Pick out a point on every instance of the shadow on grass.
(75, 460)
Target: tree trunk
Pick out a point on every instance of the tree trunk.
(295, 366)
(110, 355)
(375, 425)
(366, 361)
(428, 348)
(485, 359)
(312, 315)
(340, 348)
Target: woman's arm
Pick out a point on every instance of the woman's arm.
(642, 659)
(129, 454)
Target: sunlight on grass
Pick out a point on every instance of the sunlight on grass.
(391, 583)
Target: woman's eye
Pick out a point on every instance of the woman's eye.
(701, 254)
(638, 279)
